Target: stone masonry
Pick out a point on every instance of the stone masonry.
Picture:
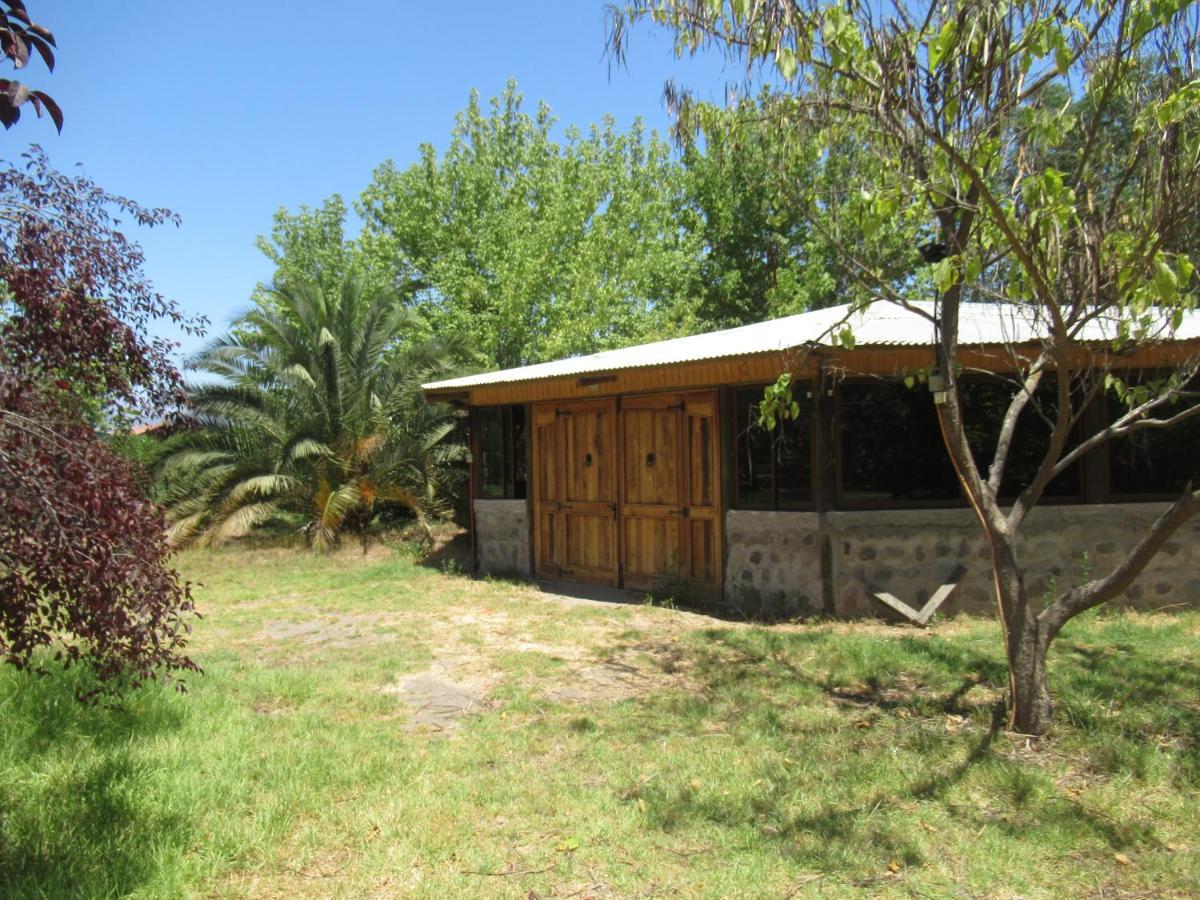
(502, 536)
(774, 558)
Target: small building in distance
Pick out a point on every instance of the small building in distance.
(645, 468)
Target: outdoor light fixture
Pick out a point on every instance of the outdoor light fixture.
(937, 387)
(933, 252)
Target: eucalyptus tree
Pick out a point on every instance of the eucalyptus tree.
(533, 248)
(996, 130)
(312, 408)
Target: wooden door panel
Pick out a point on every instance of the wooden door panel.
(702, 550)
(546, 469)
(652, 551)
(670, 510)
(701, 486)
(575, 496)
(545, 541)
(590, 543)
(651, 460)
(658, 477)
(591, 457)
(703, 475)
(547, 492)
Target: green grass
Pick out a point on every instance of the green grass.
(622, 750)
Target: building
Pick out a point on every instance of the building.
(643, 468)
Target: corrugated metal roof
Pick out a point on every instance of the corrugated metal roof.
(880, 325)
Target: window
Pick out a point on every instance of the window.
(985, 401)
(500, 445)
(1153, 462)
(891, 451)
(774, 468)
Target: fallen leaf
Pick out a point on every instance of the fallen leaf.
(695, 784)
(1122, 859)
(894, 866)
(567, 845)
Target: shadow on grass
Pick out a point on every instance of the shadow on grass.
(890, 725)
(77, 815)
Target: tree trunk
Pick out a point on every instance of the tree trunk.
(1030, 709)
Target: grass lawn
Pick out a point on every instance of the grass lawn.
(605, 750)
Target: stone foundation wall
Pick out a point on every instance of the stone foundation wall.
(774, 558)
(502, 537)
(773, 566)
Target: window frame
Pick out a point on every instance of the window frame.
(1110, 495)
(840, 502)
(807, 385)
(512, 488)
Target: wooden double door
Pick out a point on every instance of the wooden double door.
(628, 493)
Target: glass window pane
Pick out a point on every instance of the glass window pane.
(519, 452)
(984, 403)
(1154, 461)
(793, 457)
(891, 447)
(491, 452)
(754, 450)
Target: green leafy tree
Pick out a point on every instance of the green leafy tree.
(769, 250)
(314, 411)
(1050, 152)
(310, 247)
(535, 249)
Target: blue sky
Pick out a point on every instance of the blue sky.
(225, 113)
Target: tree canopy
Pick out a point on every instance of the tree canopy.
(535, 248)
(83, 553)
(315, 413)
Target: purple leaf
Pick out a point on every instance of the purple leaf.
(43, 48)
(51, 107)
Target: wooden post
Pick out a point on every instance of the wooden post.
(824, 487)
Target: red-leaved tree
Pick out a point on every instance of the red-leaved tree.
(83, 553)
(18, 36)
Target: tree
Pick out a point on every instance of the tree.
(1050, 152)
(767, 251)
(535, 250)
(18, 33)
(316, 412)
(82, 552)
(310, 247)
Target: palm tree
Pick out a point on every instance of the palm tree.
(316, 410)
